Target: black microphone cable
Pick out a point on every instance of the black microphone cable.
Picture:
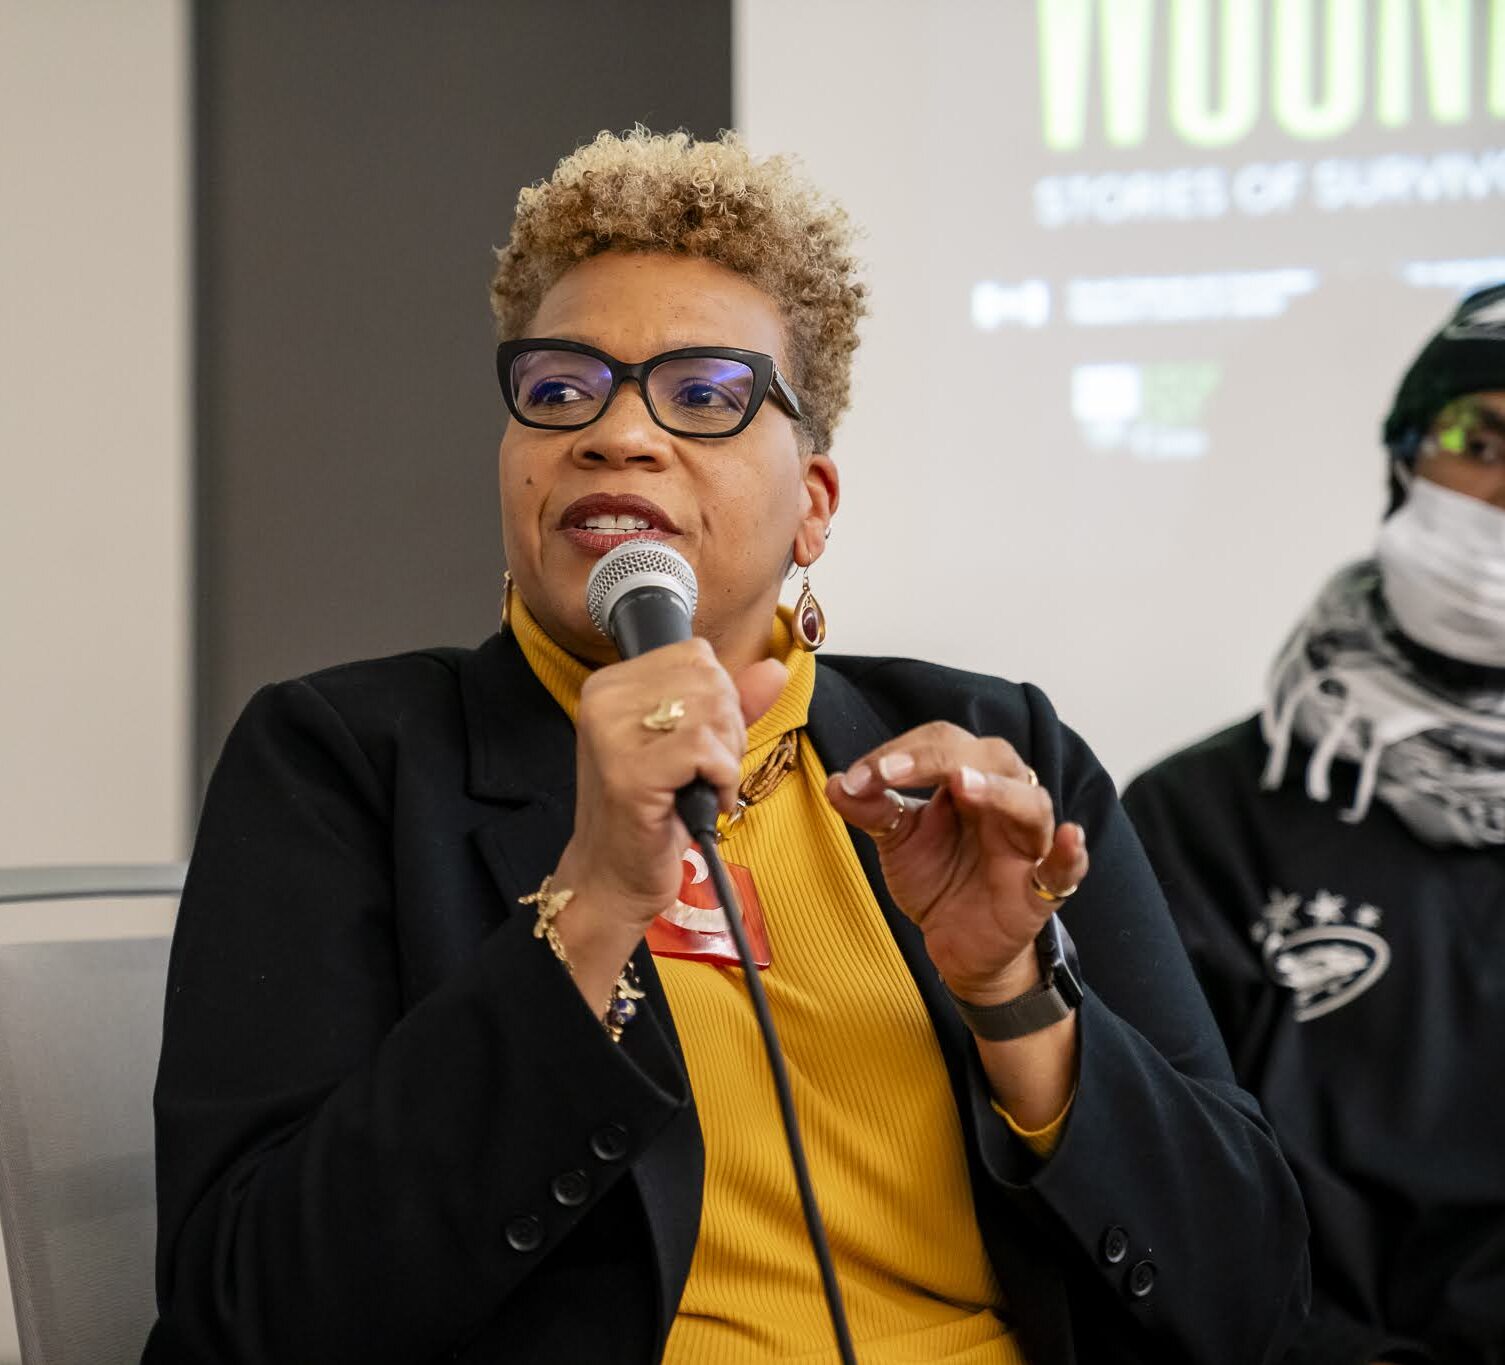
(727, 895)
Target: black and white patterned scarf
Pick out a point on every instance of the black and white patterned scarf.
(1433, 752)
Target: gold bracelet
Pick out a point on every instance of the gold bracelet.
(622, 1008)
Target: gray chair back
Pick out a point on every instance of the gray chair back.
(80, 1032)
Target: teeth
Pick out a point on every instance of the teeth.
(617, 523)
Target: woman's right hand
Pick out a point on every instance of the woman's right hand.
(624, 858)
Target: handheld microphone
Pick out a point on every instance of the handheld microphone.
(642, 595)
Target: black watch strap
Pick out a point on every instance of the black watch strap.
(1038, 1008)
(1057, 995)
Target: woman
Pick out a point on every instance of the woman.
(404, 1114)
(1337, 870)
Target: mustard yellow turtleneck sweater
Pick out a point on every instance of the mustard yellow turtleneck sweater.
(880, 1124)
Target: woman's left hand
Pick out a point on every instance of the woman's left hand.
(961, 864)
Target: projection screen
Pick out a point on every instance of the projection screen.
(1144, 276)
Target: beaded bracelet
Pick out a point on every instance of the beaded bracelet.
(622, 1008)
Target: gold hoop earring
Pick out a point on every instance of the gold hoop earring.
(809, 619)
(504, 613)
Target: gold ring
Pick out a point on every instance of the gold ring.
(1031, 776)
(1045, 893)
(665, 716)
(901, 809)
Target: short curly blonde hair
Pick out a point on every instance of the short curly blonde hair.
(671, 193)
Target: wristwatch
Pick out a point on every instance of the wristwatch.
(1059, 992)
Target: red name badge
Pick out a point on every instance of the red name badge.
(695, 927)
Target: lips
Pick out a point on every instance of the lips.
(602, 521)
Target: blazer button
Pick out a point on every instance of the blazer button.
(610, 1143)
(571, 1188)
(524, 1234)
(1140, 1281)
(1115, 1245)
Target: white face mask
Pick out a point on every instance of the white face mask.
(1442, 559)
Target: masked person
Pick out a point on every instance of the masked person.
(1336, 867)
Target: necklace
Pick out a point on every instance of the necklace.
(765, 778)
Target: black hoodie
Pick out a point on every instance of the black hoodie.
(1358, 976)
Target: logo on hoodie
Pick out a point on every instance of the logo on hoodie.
(1318, 949)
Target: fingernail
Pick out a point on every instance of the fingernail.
(972, 780)
(891, 767)
(855, 780)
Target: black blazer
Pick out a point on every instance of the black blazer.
(388, 1130)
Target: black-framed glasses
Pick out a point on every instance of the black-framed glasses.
(704, 391)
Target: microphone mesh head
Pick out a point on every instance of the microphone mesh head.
(634, 563)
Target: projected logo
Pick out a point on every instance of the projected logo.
(996, 305)
(1151, 411)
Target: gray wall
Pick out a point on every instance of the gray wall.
(356, 160)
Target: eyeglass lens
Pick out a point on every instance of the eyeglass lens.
(1465, 428)
(690, 394)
